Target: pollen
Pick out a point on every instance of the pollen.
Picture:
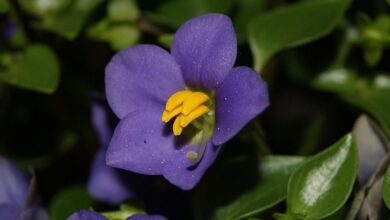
(186, 106)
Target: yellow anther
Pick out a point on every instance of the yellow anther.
(177, 129)
(177, 99)
(196, 113)
(186, 106)
(193, 101)
(167, 115)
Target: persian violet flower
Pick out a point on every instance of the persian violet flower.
(17, 194)
(91, 215)
(195, 87)
(106, 183)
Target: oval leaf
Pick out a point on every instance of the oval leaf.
(37, 69)
(322, 184)
(290, 26)
(274, 171)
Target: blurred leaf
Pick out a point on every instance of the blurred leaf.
(3, 6)
(175, 12)
(371, 147)
(124, 212)
(122, 10)
(373, 54)
(322, 184)
(69, 22)
(44, 7)
(37, 68)
(272, 188)
(370, 96)
(119, 36)
(166, 40)
(292, 26)
(375, 36)
(68, 201)
(246, 10)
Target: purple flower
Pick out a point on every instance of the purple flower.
(17, 194)
(86, 215)
(106, 183)
(91, 215)
(195, 86)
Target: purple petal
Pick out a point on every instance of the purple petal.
(141, 77)
(86, 215)
(13, 184)
(240, 98)
(9, 211)
(101, 123)
(146, 217)
(142, 143)
(185, 176)
(105, 183)
(205, 47)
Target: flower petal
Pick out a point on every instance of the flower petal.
(142, 143)
(105, 183)
(146, 217)
(240, 98)
(205, 47)
(13, 184)
(141, 77)
(9, 211)
(86, 215)
(182, 174)
(101, 123)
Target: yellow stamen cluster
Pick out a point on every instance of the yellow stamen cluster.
(187, 106)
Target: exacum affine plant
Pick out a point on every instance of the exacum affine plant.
(178, 108)
(17, 194)
(91, 215)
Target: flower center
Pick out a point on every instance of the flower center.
(187, 106)
(197, 109)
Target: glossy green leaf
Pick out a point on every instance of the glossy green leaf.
(37, 68)
(372, 96)
(175, 12)
(322, 184)
(272, 188)
(292, 26)
(386, 188)
(68, 201)
(124, 212)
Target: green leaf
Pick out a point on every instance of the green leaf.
(369, 95)
(175, 12)
(124, 212)
(37, 68)
(122, 10)
(321, 185)
(69, 22)
(68, 201)
(44, 7)
(272, 188)
(3, 6)
(292, 26)
(119, 36)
